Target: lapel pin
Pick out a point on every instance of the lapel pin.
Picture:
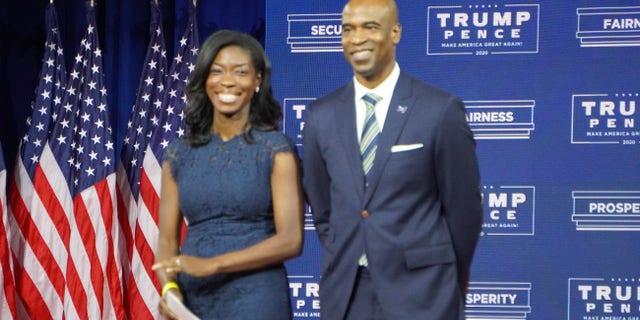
(402, 109)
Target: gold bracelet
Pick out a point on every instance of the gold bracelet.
(169, 285)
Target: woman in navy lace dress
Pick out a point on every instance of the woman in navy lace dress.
(236, 180)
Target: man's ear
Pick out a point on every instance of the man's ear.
(397, 33)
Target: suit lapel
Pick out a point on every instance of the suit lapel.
(399, 111)
(345, 117)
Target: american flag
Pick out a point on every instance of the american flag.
(7, 288)
(70, 258)
(170, 127)
(38, 225)
(172, 116)
(91, 158)
(142, 284)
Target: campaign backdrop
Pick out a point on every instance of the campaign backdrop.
(552, 92)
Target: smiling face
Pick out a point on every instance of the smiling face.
(232, 82)
(370, 32)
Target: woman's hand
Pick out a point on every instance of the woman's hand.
(193, 266)
(164, 307)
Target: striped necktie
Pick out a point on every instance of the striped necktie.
(370, 132)
(369, 144)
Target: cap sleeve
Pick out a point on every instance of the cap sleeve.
(171, 155)
(282, 143)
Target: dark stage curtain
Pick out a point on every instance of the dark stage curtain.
(123, 28)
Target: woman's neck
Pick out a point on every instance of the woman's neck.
(227, 128)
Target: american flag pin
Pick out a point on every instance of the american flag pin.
(402, 109)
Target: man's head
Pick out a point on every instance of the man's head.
(370, 32)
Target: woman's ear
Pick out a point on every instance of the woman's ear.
(259, 78)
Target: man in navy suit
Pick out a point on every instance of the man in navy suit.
(399, 228)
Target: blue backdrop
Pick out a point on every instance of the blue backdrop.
(552, 92)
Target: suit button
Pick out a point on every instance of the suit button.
(364, 214)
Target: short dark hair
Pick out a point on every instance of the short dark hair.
(264, 111)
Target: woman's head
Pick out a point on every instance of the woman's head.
(231, 70)
(232, 83)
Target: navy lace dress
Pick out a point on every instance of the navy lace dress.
(225, 195)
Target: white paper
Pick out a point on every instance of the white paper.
(178, 308)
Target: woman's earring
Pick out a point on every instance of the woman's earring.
(257, 89)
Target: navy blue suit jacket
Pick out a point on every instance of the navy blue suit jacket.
(423, 201)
